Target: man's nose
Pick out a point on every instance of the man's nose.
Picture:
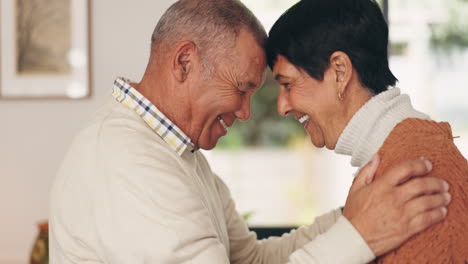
(284, 108)
(243, 113)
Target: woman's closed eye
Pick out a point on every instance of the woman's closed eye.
(285, 85)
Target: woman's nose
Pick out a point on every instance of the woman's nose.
(284, 108)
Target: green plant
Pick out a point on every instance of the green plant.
(265, 127)
(452, 33)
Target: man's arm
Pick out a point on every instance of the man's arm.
(379, 212)
(345, 240)
(244, 246)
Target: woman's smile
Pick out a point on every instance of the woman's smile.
(304, 120)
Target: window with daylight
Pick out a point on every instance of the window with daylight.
(278, 178)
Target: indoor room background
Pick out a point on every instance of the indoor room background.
(276, 176)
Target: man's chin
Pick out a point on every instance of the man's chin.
(208, 145)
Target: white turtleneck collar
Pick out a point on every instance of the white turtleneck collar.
(372, 123)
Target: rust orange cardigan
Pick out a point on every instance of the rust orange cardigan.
(445, 242)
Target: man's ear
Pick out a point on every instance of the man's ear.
(184, 60)
(342, 67)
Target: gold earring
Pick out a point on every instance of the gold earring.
(340, 97)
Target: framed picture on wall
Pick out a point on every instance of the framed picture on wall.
(45, 49)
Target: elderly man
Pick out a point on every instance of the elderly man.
(134, 189)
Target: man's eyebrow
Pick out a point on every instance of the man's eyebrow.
(249, 85)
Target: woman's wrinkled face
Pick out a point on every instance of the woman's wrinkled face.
(313, 102)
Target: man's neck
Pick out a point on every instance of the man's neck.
(172, 104)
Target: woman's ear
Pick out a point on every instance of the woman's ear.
(342, 67)
(185, 60)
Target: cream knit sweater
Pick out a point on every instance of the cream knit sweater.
(123, 195)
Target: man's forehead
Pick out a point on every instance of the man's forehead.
(253, 79)
(249, 64)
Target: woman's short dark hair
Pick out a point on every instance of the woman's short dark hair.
(309, 32)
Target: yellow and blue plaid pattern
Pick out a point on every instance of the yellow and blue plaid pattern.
(168, 131)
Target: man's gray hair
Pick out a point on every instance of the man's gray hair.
(213, 25)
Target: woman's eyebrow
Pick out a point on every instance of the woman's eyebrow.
(278, 77)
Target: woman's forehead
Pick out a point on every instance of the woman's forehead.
(283, 68)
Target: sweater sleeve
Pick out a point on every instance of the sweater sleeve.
(315, 243)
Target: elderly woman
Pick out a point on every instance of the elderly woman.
(330, 59)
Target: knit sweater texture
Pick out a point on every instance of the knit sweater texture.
(123, 195)
(388, 124)
(446, 242)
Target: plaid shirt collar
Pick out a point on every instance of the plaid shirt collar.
(168, 131)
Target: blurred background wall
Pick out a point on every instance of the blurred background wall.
(34, 135)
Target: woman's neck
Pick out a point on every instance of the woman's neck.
(372, 123)
(352, 101)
